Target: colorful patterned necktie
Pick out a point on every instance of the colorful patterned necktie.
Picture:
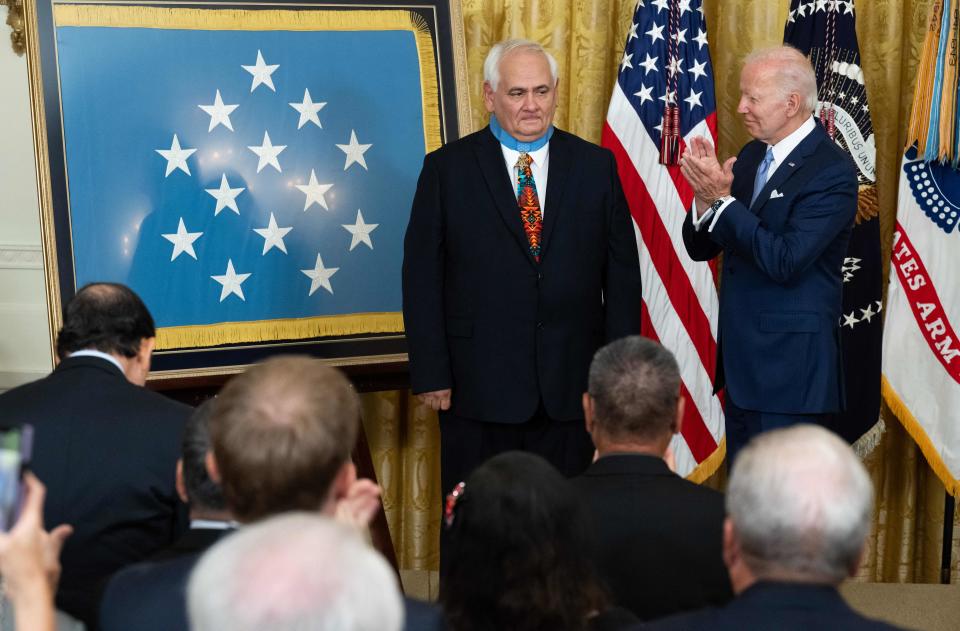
(529, 204)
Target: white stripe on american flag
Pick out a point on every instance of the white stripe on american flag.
(644, 156)
(673, 334)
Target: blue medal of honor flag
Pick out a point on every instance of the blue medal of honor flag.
(232, 241)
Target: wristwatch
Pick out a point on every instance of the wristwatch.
(718, 202)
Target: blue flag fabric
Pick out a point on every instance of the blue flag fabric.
(179, 188)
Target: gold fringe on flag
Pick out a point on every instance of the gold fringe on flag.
(709, 466)
(206, 335)
(913, 427)
(277, 20)
(923, 90)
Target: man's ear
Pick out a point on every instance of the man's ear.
(793, 104)
(488, 93)
(677, 424)
(212, 469)
(181, 487)
(588, 417)
(346, 476)
(731, 545)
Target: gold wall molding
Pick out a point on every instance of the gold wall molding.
(15, 20)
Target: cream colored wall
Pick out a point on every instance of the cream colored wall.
(24, 338)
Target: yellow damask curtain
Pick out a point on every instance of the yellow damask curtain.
(587, 36)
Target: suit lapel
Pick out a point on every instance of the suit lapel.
(557, 176)
(790, 165)
(493, 167)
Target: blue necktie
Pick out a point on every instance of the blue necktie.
(761, 180)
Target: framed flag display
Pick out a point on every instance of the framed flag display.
(246, 167)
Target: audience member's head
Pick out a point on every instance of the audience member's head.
(282, 434)
(518, 550)
(109, 318)
(196, 488)
(633, 399)
(798, 504)
(293, 572)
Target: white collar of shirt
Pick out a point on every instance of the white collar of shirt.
(212, 524)
(783, 148)
(92, 353)
(539, 165)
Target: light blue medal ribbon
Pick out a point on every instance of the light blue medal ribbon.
(510, 142)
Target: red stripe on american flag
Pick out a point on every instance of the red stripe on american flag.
(693, 429)
(665, 259)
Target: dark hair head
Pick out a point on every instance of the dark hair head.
(202, 492)
(281, 431)
(519, 544)
(634, 383)
(107, 317)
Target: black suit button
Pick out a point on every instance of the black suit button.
(539, 325)
(539, 275)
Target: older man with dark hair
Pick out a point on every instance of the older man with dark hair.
(105, 447)
(799, 505)
(658, 536)
(150, 595)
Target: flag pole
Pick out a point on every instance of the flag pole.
(946, 558)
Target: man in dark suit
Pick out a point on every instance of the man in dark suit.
(781, 213)
(104, 446)
(520, 260)
(799, 506)
(151, 595)
(658, 537)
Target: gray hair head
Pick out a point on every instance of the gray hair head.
(491, 66)
(794, 73)
(800, 501)
(291, 573)
(634, 383)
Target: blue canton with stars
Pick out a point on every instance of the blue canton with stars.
(647, 64)
(179, 187)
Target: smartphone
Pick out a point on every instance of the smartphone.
(16, 447)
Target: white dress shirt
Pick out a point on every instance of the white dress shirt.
(539, 164)
(780, 152)
(94, 353)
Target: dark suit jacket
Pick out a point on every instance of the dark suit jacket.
(481, 315)
(780, 296)
(659, 538)
(780, 606)
(152, 595)
(106, 451)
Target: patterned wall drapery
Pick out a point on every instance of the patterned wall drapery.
(587, 38)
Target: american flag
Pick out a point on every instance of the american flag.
(666, 63)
